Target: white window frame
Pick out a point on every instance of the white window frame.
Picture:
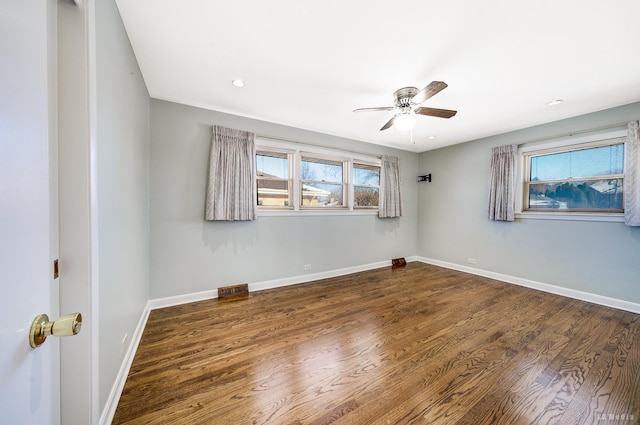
(290, 161)
(344, 183)
(297, 150)
(563, 145)
(353, 185)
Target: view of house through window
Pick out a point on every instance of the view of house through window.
(584, 178)
(326, 179)
(273, 178)
(322, 182)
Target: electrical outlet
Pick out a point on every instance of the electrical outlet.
(124, 343)
(307, 267)
(472, 261)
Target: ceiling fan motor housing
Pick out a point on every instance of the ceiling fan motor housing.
(402, 97)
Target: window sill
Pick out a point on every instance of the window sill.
(315, 212)
(603, 217)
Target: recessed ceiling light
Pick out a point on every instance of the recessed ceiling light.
(431, 137)
(238, 82)
(555, 102)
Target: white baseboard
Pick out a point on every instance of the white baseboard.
(112, 402)
(114, 396)
(277, 283)
(270, 284)
(182, 299)
(545, 287)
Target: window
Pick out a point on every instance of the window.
(293, 178)
(579, 178)
(366, 185)
(273, 176)
(322, 182)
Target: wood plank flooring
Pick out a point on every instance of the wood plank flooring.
(415, 345)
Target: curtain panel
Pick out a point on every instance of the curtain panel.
(502, 183)
(390, 204)
(632, 175)
(231, 184)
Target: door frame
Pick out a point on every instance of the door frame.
(77, 197)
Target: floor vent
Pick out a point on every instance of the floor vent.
(398, 262)
(234, 292)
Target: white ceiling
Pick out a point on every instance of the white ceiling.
(308, 64)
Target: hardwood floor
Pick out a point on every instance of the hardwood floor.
(415, 345)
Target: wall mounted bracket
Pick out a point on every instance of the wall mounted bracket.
(425, 178)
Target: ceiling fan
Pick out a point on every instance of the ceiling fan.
(406, 102)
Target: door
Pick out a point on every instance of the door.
(44, 211)
(29, 378)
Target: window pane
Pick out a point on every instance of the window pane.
(583, 195)
(365, 196)
(601, 161)
(272, 164)
(366, 174)
(322, 195)
(273, 193)
(320, 170)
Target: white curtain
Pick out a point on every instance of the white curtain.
(231, 184)
(390, 204)
(502, 183)
(632, 175)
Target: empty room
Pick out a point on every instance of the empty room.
(281, 212)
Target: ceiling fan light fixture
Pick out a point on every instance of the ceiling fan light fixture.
(404, 122)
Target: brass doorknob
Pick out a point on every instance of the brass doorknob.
(41, 327)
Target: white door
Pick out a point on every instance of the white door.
(43, 113)
(29, 378)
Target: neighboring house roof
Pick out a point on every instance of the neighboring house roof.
(280, 187)
(607, 187)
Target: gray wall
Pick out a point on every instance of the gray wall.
(190, 255)
(151, 206)
(123, 191)
(595, 257)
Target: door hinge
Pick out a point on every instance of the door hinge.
(55, 269)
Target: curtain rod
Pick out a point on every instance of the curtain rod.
(575, 133)
(280, 139)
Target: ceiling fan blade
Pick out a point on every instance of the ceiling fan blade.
(381, 108)
(389, 123)
(435, 112)
(432, 89)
